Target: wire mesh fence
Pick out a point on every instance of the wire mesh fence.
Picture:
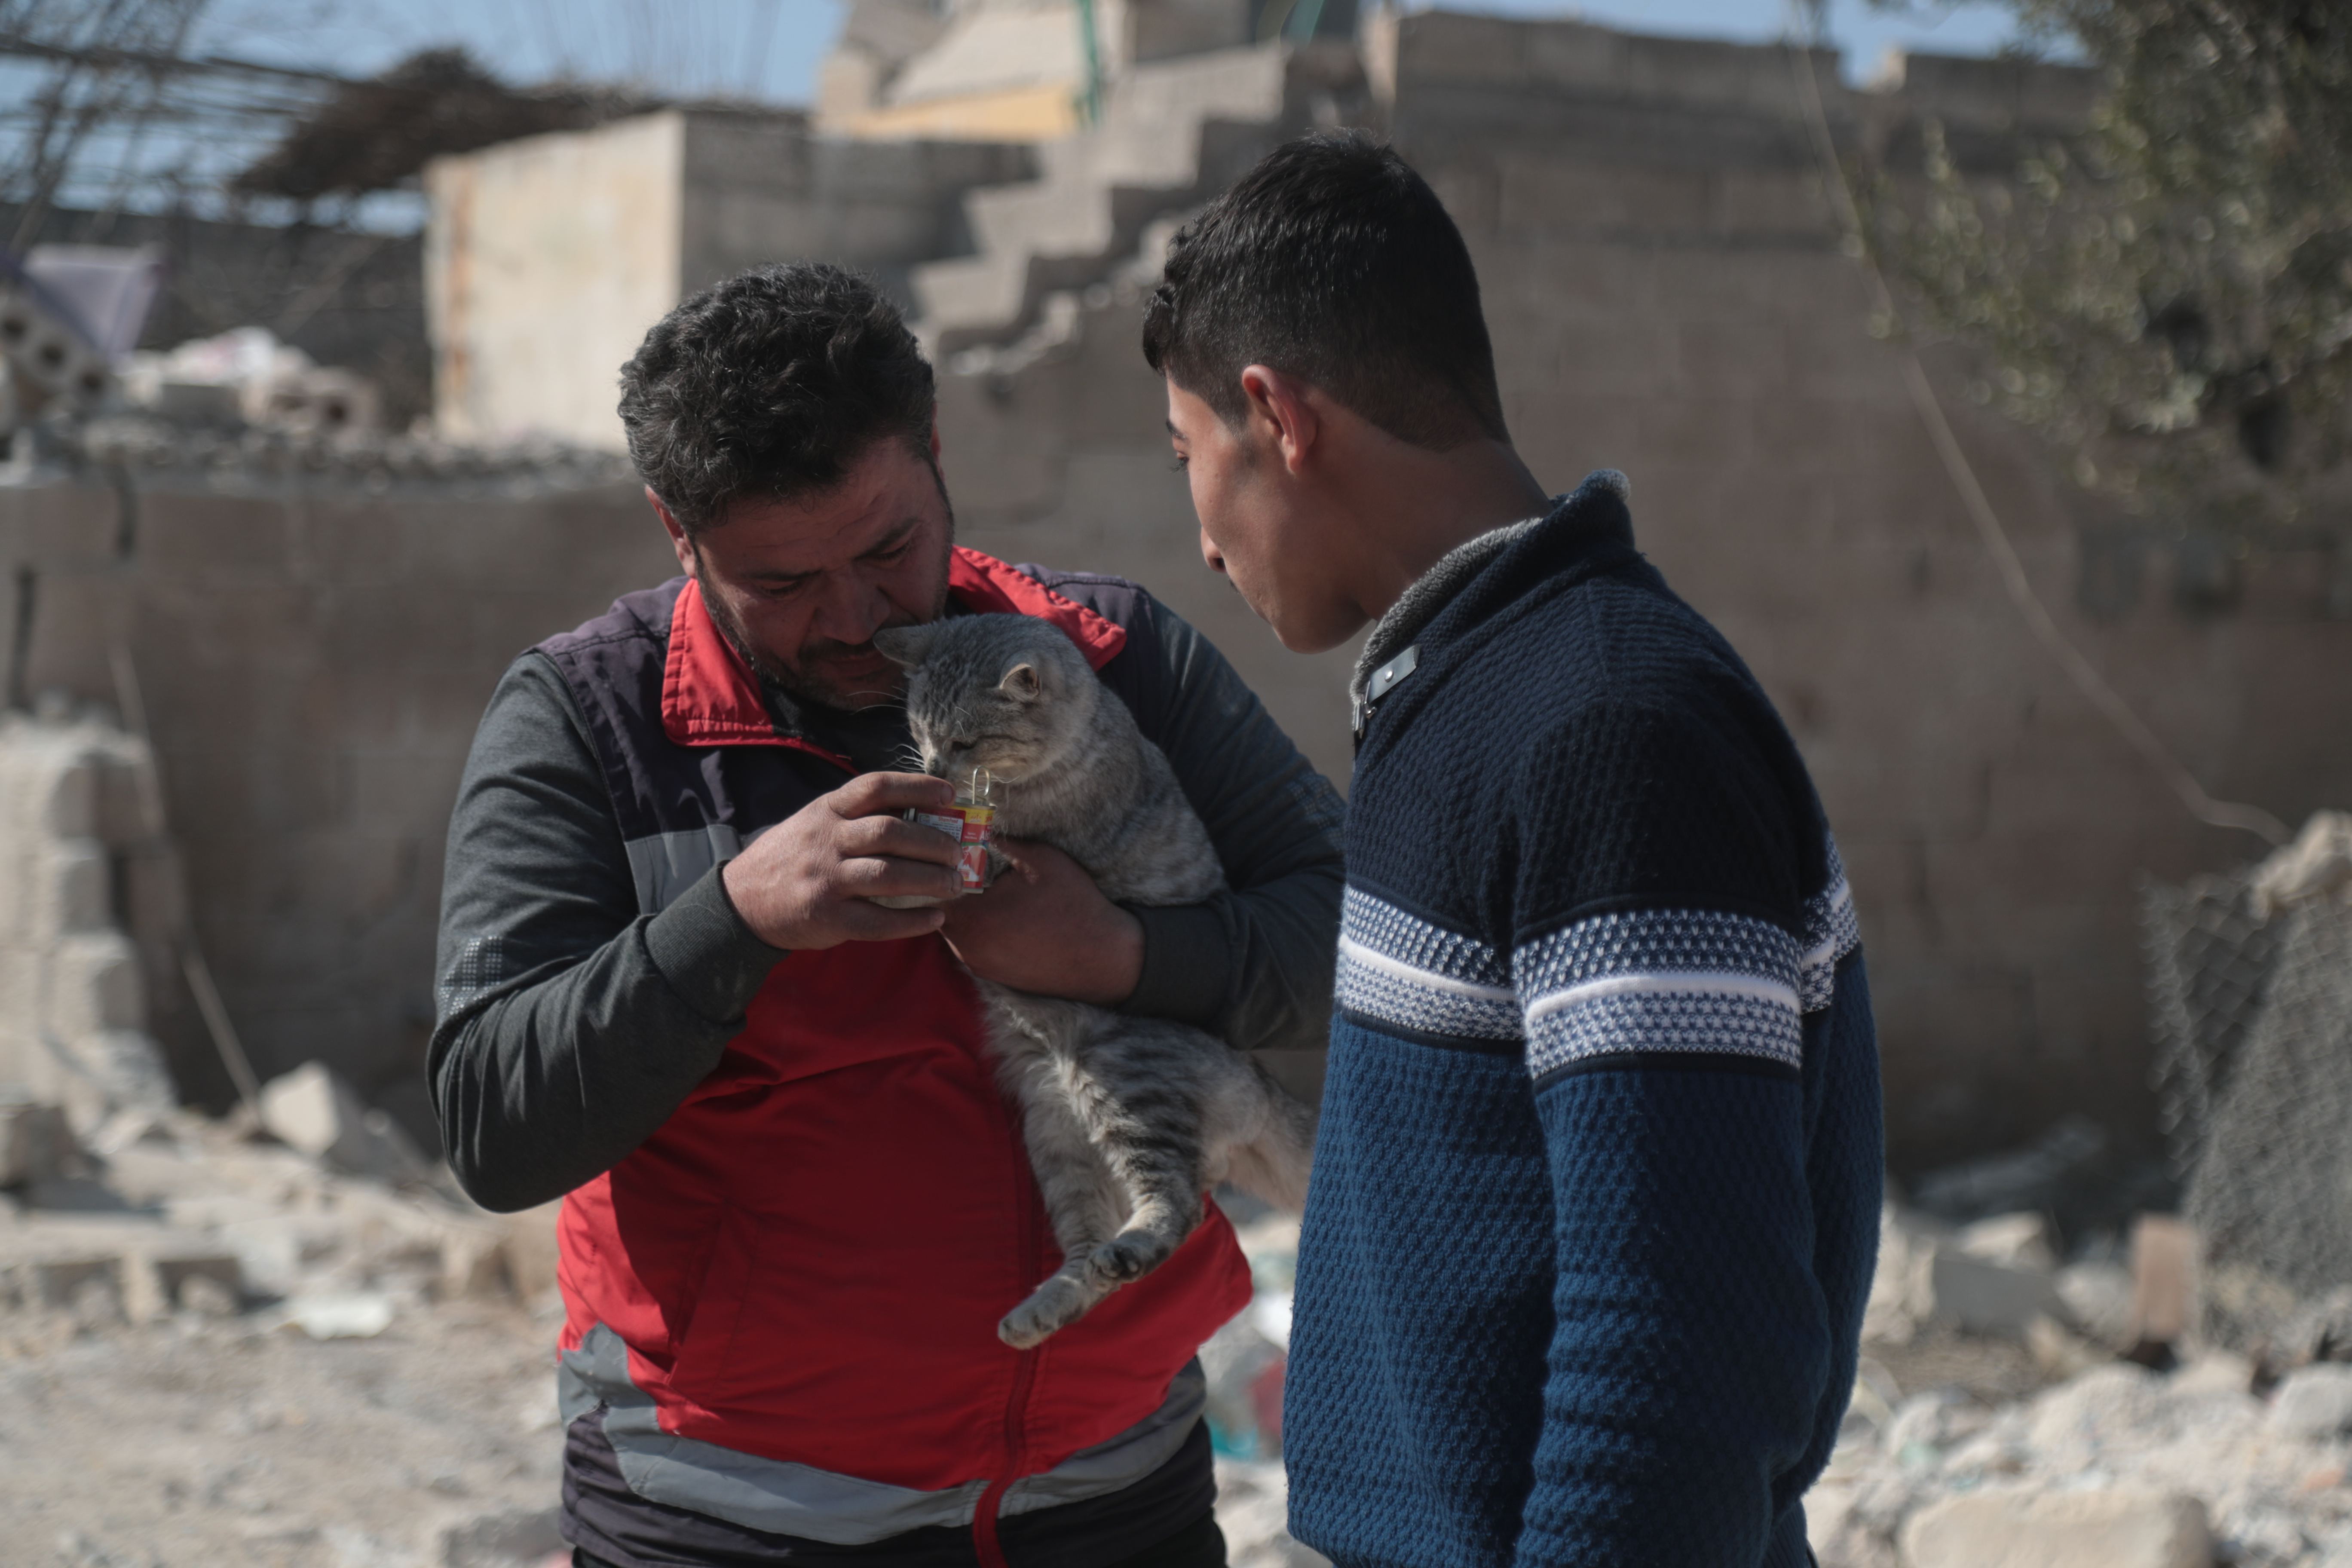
(2252, 1009)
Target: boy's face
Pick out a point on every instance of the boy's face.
(1259, 524)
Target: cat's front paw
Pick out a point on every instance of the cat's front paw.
(1125, 1258)
(1052, 1307)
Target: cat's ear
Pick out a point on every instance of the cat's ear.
(1021, 683)
(903, 645)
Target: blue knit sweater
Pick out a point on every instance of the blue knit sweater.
(1596, 1196)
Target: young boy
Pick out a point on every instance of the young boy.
(1595, 1206)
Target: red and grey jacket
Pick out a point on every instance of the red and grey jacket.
(797, 1204)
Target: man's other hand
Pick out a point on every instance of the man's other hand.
(805, 883)
(1043, 927)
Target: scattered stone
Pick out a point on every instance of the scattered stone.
(1926, 1424)
(2059, 1352)
(159, 1282)
(35, 1144)
(360, 1315)
(2019, 1241)
(2260, 1534)
(2071, 1424)
(2099, 1300)
(1979, 1297)
(2024, 1528)
(2315, 1402)
(312, 1109)
(2164, 1284)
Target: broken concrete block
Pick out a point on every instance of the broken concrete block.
(35, 1144)
(95, 985)
(2029, 1528)
(1981, 1297)
(115, 1087)
(2164, 1281)
(341, 1315)
(276, 1250)
(2011, 1240)
(158, 1281)
(1907, 1241)
(2060, 1352)
(86, 1287)
(66, 887)
(2098, 1298)
(2315, 1402)
(312, 1109)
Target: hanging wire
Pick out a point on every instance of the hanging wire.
(2085, 676)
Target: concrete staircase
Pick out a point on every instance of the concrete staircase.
(1173, 132)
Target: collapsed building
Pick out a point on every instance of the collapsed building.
(315, 619)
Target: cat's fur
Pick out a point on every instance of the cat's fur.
(1127, 1121)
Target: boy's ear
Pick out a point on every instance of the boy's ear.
(1021, 683)
(903, 645)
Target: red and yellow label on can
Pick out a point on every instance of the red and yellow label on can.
(971, 826)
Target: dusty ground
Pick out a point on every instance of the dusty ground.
(200, 1440)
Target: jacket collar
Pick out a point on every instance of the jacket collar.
(711, 698)
(1433, 590)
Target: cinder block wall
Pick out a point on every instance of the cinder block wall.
(546, 259)
(89, 910)
(314, 661)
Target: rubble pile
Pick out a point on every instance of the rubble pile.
(1945, 1461)
(195, 1218)
(243, 408)
(327, 1358)
(331, 1360)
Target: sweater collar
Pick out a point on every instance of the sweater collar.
(1429, 593)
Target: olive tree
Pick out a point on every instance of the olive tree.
(2168, 296)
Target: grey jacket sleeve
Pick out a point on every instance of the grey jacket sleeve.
(569, 1026)
(1255, 964)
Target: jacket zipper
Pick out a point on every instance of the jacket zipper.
(1024, 1371)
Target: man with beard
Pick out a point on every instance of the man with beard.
(795, 1202)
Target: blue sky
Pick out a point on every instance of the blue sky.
(766, 50)
(770, 48)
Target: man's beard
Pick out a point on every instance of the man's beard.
(809, 685)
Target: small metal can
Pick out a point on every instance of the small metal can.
(971, 823)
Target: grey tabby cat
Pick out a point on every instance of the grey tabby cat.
(1127, 1121)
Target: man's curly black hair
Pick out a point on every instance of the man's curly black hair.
(772, 384)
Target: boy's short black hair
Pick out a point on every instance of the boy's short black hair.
(771, 383)
(1333, 261)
